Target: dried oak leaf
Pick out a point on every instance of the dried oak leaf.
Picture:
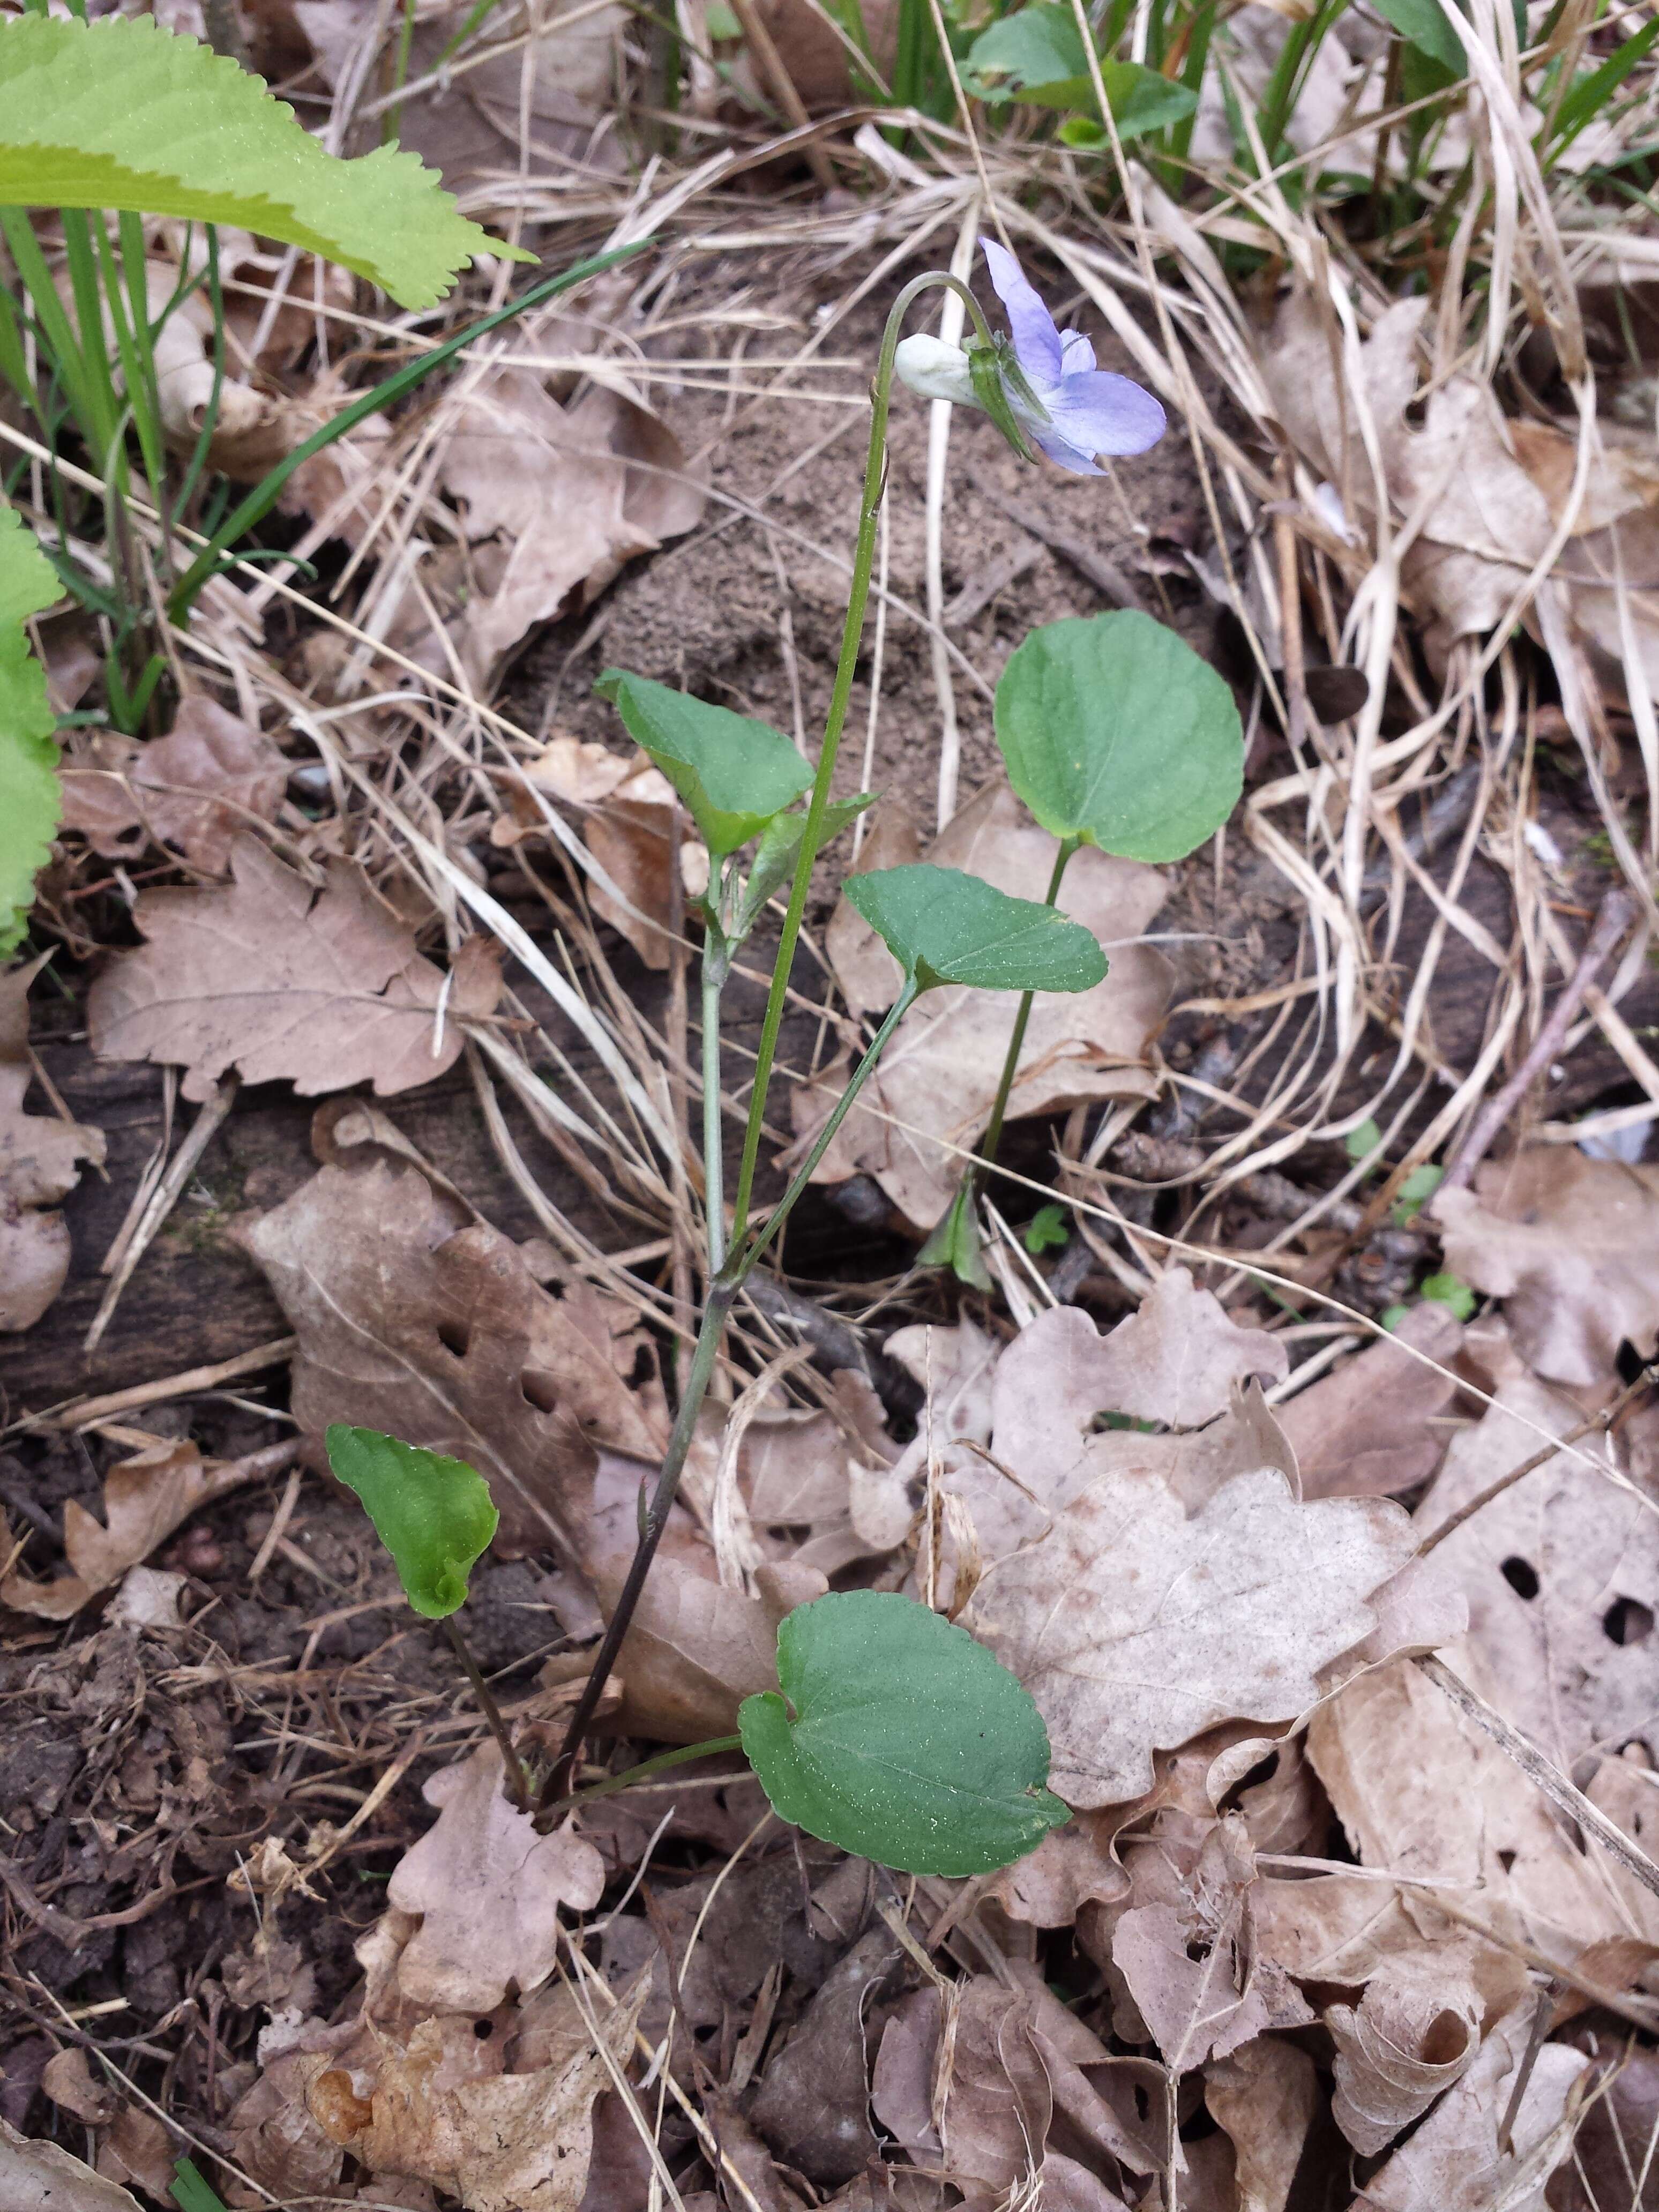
(145, 1498)
(38, 2177)
(1453, 2162)
(1561, 1575)
(1135, 1627)
(1264, 2096)
(939, 1076)
(195, 788)
(1368, 1430)
(443, 1336)
(488, 1889)
(501, 2142)
(1416, 2028)
(813, 2101)
(278, 980)
(1194, 1969)
(41, 1158)
(1571, 1246)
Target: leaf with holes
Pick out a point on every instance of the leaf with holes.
(902, 1740)
(943, 926)
(434, 1514)
(733, 773)
(1117, 733)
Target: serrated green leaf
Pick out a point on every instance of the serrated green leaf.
(30, 798)
(944, 928)
(120, 114)
(1424, 23)
(1115, 732)
(909, 1742)
(434, 1514)
(775, 855)
(1038, 56)
(734, 774)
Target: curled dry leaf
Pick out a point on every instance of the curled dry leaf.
(441, 2112)
(1414, 2031)
(38, 2177)
(488, 1889)
(1571, 1245)
(1561, 1575)
(939, 1076)
(1368, 1430)
(195, 788)
(1135, 1627)
(1194, 1969)
(556, 500)
(41, 1158)
(1453, 2162)
(440, 1335)
(67, 2080)
(145, 1498)
(278, 980)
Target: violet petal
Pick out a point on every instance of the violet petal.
(1036, 342)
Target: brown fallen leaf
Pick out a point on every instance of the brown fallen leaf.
(1193, 1970)
(195, 788)
(1571, 1246)
(138, 2148)
(1265, 2097)
(439, 2112)
(441, 1334)
(939, 1076)
(1561, 1574)
(553, 503)
(488, 1889)
(697, 1649)
(40, 1157)
(145, 1498)
(812, 2105)
(278, 980)
(67, 2080)
(1613, 2167)
(1367, 1431)
(38, 2177)
(1453, 2162)
(1135, 1627)
(1414, 2031)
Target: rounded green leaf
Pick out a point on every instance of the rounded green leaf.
(944, 928)
(1115, 732)
(434, 1514)
(909, 1742)
(30, 799)
(120, 114)
(1038, 56)
(733, 774)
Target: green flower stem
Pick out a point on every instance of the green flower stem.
(875, 485)
(714, 969)
(614, 1784)
(492, 1714)
(652, 1522)
(803, 1174)
(987, 1151)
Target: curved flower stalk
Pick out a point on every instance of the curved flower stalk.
(1039, 382)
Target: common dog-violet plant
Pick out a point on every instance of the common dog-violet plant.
(893, 1733)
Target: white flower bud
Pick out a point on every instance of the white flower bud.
(934, 369)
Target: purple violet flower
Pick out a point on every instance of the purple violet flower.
(1069, 408)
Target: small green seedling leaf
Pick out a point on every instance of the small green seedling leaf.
(733, 774)
(955, 1241)
(30, 798)
(1359, 1144)
(1449, 1291)
(1423, 22)
(1419, 1185)
(902, 1740)
(190, 2193)
(121, 113)
(1048, 1230)
(1036, 56)
(434, 1514)
(1391, 1317)
(775, 855)
(1115, 732)
(944, 928)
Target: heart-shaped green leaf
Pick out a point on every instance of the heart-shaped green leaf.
(944, 928)
(908, 1744)
(733, 774)
(434, 1514)
(1038, 56)
(1115, 732)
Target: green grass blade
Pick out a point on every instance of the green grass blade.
(29, 797)
(1591, 94)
